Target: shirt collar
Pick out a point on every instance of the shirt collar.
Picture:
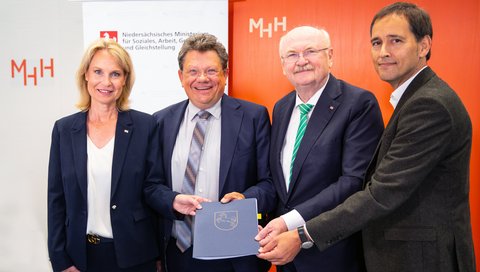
(314, 99)
(398, 92)
(215, 110)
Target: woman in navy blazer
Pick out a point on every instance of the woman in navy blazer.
(103, 171)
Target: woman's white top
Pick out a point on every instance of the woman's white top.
(99, 171)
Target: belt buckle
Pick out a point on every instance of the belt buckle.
(93, 239)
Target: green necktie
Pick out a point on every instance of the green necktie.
(304, 110)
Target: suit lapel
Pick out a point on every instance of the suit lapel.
(372, 165)
(79, 147)
(171, 126)
(424, 76)
(282, 118)
(231, 122)
(420, 80)
(321, 115)
(123, 135)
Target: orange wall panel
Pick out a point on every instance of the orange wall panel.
(256, 75)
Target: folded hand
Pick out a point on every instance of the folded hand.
(281, 249)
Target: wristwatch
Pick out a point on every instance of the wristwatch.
(306, 243)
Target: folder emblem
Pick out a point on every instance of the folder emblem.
(226, 220)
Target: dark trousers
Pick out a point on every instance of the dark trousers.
(289, 267)
(184, 262)
(101, 258)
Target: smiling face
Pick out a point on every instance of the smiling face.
(396, 53)
(203, 78)
(310, 73)
(105, 79)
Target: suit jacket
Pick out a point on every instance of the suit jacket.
(414, 209)
(134, 169)
(244, 147)
(340, 139)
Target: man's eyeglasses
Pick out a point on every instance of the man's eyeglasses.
(307, 54)
(207, 73)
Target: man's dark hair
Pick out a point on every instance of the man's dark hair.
(203, 42)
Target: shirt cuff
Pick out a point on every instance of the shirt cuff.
(293, 219)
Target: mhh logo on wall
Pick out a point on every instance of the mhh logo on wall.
(30, 71)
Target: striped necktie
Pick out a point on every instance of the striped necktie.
(184, 228)
(304, 110)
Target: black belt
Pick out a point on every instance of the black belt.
(95, 239)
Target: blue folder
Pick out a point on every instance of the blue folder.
(226, 230)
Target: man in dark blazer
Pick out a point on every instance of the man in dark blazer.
(414, 209)
(234, 159)
(343, 130)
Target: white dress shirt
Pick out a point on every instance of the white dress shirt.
(398, 92)
(207, 183)
(293, 219)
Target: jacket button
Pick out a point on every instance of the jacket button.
(114, 207)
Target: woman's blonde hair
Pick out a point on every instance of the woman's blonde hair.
(124, 61)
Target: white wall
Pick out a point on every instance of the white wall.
(31, 30)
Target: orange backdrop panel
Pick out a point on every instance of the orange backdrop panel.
(256, 75)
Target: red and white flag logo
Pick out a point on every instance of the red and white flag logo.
(109, 35)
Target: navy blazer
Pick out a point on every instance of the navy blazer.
(134, 170)
(340, 139)
(244, 150)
